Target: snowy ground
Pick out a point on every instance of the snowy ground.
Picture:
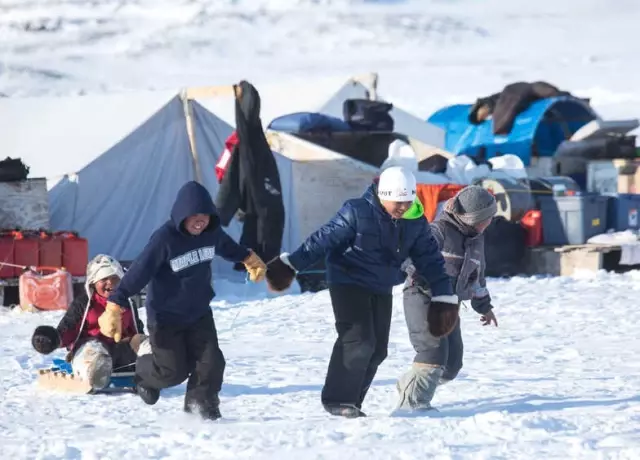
(558, 379)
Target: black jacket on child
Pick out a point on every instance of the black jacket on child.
(177, 265)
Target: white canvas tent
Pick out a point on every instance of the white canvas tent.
(321, 180)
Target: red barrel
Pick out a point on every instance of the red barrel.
(50, 251)
(6, 256)
(75, 253)
(532, 223)
(26, 250)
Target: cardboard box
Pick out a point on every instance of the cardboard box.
(610, 177)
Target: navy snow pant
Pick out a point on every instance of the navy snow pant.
(181, 352)
(363, 321)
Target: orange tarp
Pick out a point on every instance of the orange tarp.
(432, 194)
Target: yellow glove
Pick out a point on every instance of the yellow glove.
(255, 267)
(110, 322)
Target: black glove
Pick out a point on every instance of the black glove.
(45, 339)
(442, 316)
(279, 274)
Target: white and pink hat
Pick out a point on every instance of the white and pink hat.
(397, 184)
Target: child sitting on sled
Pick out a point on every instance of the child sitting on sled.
(92, 355)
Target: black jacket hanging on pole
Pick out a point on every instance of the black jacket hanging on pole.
(252, 181)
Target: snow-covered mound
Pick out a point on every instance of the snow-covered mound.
(558, 379)
(428, 52)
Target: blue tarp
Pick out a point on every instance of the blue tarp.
(538, 130)
(304, 122)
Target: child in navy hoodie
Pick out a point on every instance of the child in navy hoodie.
(176, 265)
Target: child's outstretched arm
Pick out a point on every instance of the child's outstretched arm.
(70, 324)
(143, 268)
(429, 262)
(481, 300)
(229, 250)
(338, 232)
(46, 339)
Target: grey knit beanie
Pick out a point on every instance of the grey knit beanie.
(472, 205)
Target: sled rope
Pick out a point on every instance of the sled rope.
(311, 272)
(125, 366)
(244, 296)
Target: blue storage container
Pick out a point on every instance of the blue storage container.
(572, 219)
(623, 212)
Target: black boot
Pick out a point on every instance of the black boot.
(213, 413)
(148, 395)
(344, 410)
(209, 411)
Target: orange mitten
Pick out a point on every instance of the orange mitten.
(111, 322)
(255, 267)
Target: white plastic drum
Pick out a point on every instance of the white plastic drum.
(514, 198)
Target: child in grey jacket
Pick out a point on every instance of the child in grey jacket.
(459, 233)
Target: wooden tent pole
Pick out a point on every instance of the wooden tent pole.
(187, 95)
(188, 115)
(369, 81)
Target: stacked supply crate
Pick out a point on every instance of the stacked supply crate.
(619, 180)
(611, 177)
(563, 214)
(623, 212)
(573, 219)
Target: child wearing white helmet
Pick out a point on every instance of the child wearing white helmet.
(92, 354)
(365, 245)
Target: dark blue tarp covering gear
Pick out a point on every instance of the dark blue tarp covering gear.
(305, 122)
(537, 131)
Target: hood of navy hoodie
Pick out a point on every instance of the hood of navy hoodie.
(194, 198)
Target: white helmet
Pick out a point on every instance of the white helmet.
(397, 184)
